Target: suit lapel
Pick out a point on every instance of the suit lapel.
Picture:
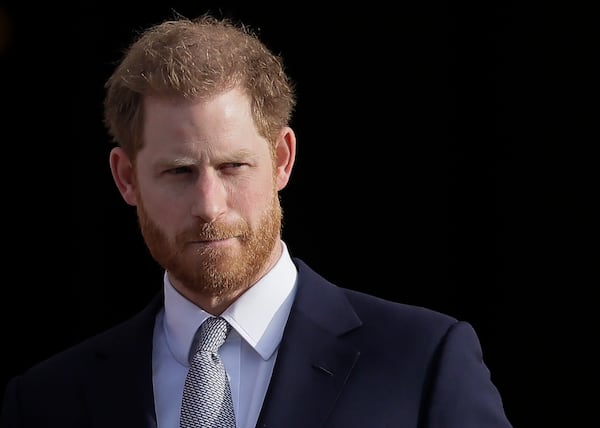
(124, 383)
(312, 367)
(313, 364)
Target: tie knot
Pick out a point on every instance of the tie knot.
(213, 333)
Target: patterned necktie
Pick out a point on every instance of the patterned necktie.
(207, 399)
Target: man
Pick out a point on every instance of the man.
(200, 111)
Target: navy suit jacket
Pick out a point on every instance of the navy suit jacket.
(346, 360)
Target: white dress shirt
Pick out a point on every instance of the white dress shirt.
(258, 318)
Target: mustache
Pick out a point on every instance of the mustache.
(213, 232)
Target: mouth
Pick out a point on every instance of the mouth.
(213, 242)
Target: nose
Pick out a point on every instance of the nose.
(210, 196)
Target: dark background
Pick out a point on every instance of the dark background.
(443, 161)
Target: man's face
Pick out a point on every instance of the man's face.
(207, 193)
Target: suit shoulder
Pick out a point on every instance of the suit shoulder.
(369, 306)
(321, 296)
(118, 338)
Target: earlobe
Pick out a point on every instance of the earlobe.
(285, 155)
(123, 174)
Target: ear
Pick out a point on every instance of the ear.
(123, 173)
(285, 155)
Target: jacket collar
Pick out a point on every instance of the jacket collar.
(311, 356)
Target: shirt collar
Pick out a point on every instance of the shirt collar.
(262, 329)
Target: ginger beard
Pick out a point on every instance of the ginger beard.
(214, 271)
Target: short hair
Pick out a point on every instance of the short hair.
(196, 59)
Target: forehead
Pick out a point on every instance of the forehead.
(220, 123)
(227, 107)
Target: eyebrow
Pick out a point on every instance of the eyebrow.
(180, 161)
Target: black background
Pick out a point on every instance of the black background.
(443, 161)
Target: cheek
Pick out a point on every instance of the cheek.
(167, 212)
(254, 198)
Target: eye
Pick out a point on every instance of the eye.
(232, 165)
(179, 170)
